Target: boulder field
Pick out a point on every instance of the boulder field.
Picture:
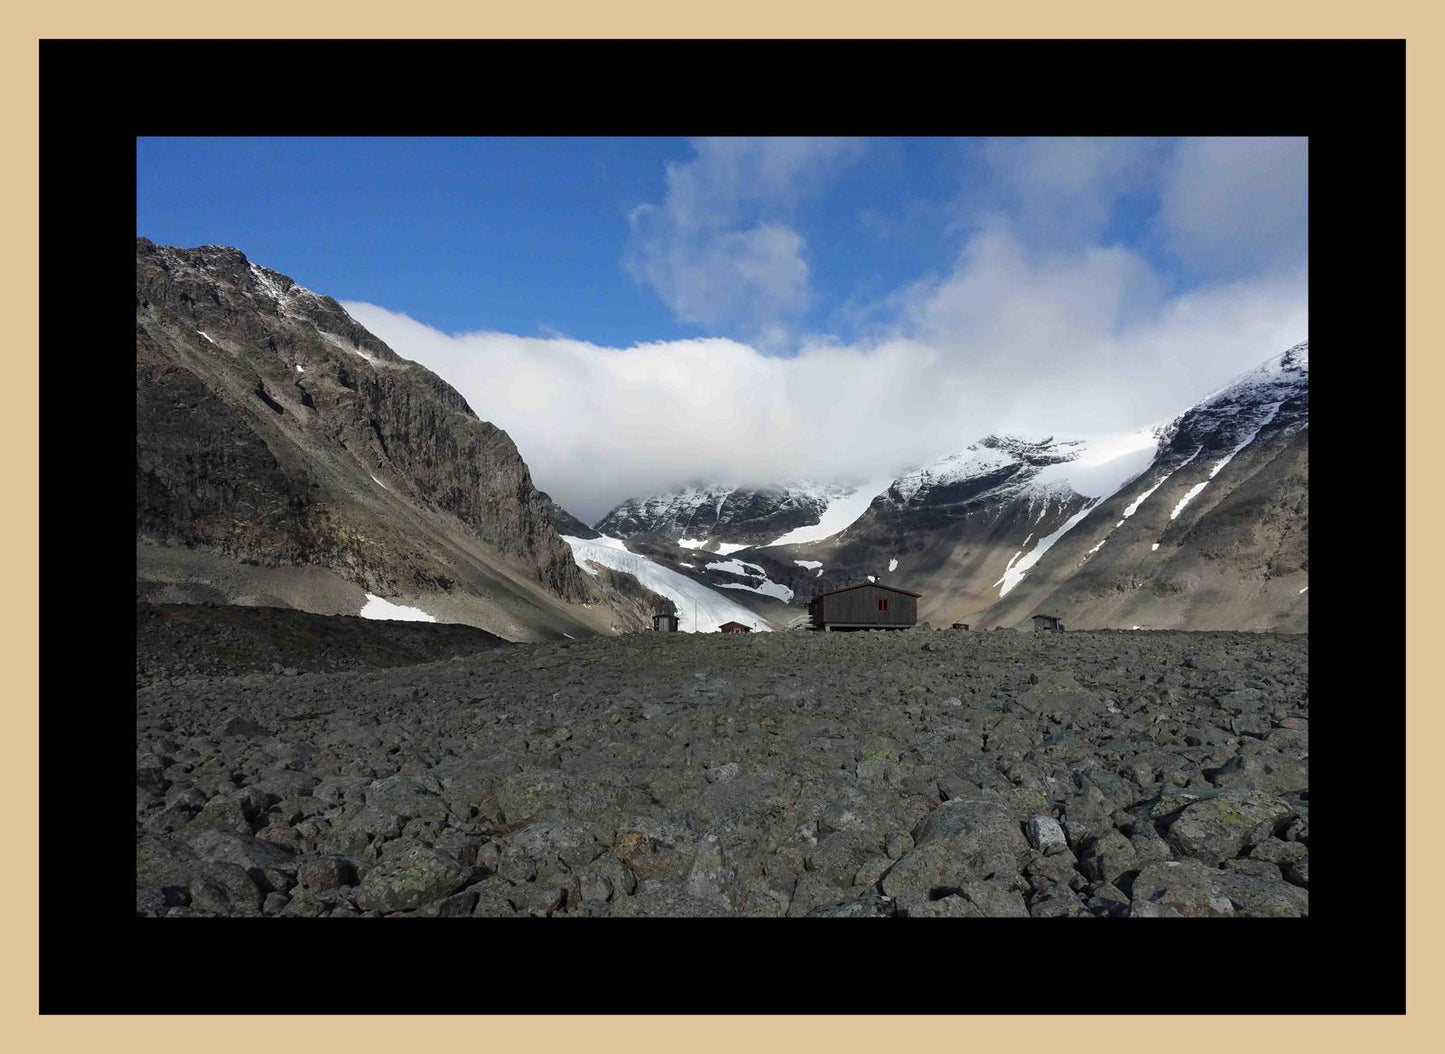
(903, 774)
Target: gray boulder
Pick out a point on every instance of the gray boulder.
(1045, 834)
(1178, 889)
(1220, 828)
(964, 840)
(408, 878)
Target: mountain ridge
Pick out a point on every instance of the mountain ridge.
(278, 440)
(976, 530)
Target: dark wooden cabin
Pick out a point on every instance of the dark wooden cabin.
(664, 622)
(734, 627)
(1047, 624)
(871, 605)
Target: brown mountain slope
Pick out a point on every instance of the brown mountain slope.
(1236, 557)
(285, 455)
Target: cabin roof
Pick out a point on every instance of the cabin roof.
(1055, 618)
(865, 585)
(725, 625)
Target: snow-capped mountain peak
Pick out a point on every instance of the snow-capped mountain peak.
(1276, 392)
(1006, 466)
(724, 516)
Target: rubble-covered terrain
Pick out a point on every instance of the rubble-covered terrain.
(916, 773)
(189, 639)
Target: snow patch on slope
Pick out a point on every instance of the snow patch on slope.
(711, 608)
(1103, 467)
(1014, 573)
(377, 608)
(1134, 505)
(1104, 464)
(977, 460)
(723, 548)
(768, 589)
(842, 512)
(1226, 459)
(737, 567)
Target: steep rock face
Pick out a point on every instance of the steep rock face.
(722, 513)
(273, 429)
(562, 520)
(631, 596)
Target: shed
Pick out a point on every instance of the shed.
(960, 625)
(1047, 623)
(869, 605)
(664, 622)
(734, 627)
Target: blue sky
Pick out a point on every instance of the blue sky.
(513, 234)
(732, 290)
(524, 235)
(531, 236)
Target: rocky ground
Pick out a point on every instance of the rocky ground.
(184, 640)
(917, 773)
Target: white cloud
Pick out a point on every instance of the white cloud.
(1234, 206)
(1063, 191)
(1038, 327)
(717, 249)
(1070, 344)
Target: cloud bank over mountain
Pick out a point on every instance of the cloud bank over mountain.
(1095, 282)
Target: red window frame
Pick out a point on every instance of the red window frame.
(882, 603)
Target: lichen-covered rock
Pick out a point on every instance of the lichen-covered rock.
(964, 840)
(1108, 857)
(225, 889)
(1270, 771)
(408, 878)
(1219, 828)
(1178, 888)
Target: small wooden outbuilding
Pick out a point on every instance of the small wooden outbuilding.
(734, 627)
(664, 622)
(1048, 624)
(870, 605)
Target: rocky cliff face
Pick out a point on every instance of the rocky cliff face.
(274, 430)
(564, 521)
